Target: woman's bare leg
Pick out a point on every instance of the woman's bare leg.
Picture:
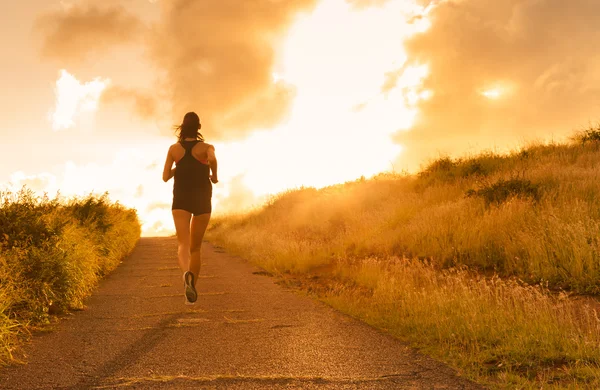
(182, 227)
(199, 225)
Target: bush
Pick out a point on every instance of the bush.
(22, 221)
(503, 190)
(589, 135)
(445, 169)
(443, 166)
(52, 254)
(93, 212)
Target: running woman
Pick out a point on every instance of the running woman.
(194, 173)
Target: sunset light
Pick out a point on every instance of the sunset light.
(337, 116)
(349, 97)
(313, 103)
(188, 181)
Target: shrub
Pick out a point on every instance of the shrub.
(504, 190)
(589, 135)
(93, 212)
(443, 166)
(52, 254)
(473, 168)
(22, 221)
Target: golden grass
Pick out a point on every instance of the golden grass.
(435, 215)
(52, 254)
(465, 259)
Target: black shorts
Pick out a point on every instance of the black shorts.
(197, 202)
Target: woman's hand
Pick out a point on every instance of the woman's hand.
(212, 161)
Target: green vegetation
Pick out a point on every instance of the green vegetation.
(52, 254)
(476, 260)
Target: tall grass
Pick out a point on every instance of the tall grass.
(526, 218)
(52, 254)
(533, 214)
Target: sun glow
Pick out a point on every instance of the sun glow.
(341, 120)
(499, 90)
(492, 93)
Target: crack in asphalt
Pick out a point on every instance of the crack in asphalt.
(224, 379)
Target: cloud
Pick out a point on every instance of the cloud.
(78, 31)
(74, 98)
(500, 71)
(219, 57)
(40, 183)
(144, 104)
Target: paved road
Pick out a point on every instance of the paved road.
(245, 332)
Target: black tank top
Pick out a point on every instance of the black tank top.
(191, 174)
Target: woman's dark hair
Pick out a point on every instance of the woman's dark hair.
(190, 127)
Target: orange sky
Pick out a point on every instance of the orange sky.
(301, 92)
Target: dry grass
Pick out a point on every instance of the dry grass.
(483, 234)
(52, 254)
(533, 214)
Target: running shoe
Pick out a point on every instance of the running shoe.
(190, 291)
(187, 302)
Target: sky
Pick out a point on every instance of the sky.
(291, 93)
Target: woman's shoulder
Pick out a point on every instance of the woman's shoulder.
(174, 147)
(205, 145)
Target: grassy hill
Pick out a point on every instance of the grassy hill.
(52, 254)
(476, 260)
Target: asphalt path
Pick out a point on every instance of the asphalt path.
(245, 332)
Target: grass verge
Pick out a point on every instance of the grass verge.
(52, 254)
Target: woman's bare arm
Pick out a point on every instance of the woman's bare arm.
(212, 162)
(168, 171)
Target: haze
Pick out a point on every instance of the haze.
(292, 93)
